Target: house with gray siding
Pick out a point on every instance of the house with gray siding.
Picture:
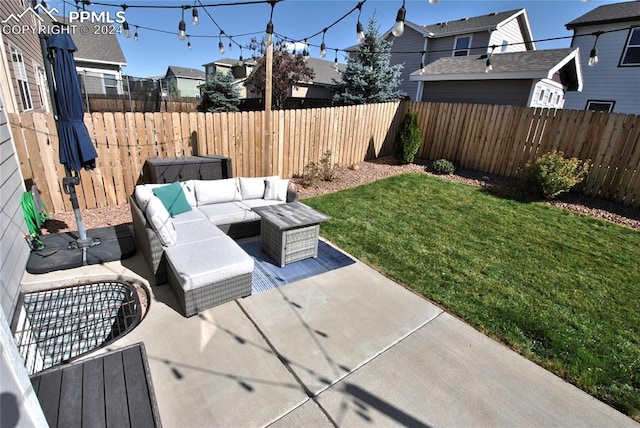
(421, 45)
(185, 81)
(23, 78)
(613, 83)
(239, 70)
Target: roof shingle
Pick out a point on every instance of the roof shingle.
(466, 24)
(610, 13)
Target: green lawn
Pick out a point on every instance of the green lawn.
(561, 289)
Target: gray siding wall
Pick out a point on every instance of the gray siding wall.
(502, 92)
(13, 248)
(29, 44)
(442, 47)
(510, 32)
(410, 41)
(606, 81)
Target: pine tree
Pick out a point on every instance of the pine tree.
(369, 76)
(220, 94)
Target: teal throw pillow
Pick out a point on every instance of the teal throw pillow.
(173, 198)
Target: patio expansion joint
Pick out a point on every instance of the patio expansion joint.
(310, 395)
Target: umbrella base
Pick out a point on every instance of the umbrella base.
(65, 250)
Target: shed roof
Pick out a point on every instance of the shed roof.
(608, 14)
(514, 65)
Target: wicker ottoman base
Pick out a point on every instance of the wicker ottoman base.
(288, 246)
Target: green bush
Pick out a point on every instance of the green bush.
(324, 170)
(443, 166)
(552, 174)
(408, 140)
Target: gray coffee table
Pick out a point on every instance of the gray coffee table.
(289, 232)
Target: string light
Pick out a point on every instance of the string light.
(305, 52)
(593, 55)
(125, 24)
(182, 27)
(323, 47)
(359, 27)
(433, 1)
(240, 59)
(335, 61)
(398, 28)
(220, 44)
(135, 36)
(422, 53)
(188, 42)
(489, 67)
(194, 15)
(268, 38)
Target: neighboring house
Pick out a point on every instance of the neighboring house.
(613, 84)
(321, 87)
(229, 65)
(509, 31)
(529, 78)
(99, 61)
(184, 81)
(22, 75)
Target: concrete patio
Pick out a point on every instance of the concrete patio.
(345, 348)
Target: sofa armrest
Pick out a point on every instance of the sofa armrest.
(292, 195)
(148, 242)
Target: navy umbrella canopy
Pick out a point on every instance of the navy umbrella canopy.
(76, 149)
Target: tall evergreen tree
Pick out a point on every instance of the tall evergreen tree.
(369, 76)
(220, 94)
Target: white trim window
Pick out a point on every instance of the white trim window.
(20, 73)
(110, 82)
(631, 54)
(41, 83)
(606, 106)
(462, 46)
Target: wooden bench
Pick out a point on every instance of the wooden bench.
(110, 390)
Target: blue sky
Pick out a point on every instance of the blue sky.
(297, 19)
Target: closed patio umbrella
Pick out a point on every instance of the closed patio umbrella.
(76, 148)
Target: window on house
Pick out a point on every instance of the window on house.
(41, 82)
(505, 46)
(462, 45)
(631, 54)
(21, 77)
(110, 84)
(541, 97)
(600, 106)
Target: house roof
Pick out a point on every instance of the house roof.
(324, 71)
(230, 62)
(489, 22)
(96, 47)
(468, 25)
(514, 65)
(187, 73)
(608, 14)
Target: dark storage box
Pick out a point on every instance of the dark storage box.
(168, 170)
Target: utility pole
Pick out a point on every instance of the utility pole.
(268, 123)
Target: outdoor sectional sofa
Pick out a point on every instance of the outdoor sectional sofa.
(186, 232)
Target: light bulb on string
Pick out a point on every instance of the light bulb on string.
(135, 36)
(125, 27)
(593, 55)
(323, 47)
(398, 28)
(305, 52)
(268, 38)
(194, 16)
(359, 27)
(182, 27)
(220, 44)
(188, 43)
(433, 1)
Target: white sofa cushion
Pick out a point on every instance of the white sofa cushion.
(276, 189)
(251, 188)
(251, 204)
(228, 212)
(195, 231)
(190, 216)
(160, 221)
(224, 260)
(144, 192)
(216, 191)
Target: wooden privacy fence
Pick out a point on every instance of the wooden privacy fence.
(125, 140)
(502, 139)
(493, 139)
